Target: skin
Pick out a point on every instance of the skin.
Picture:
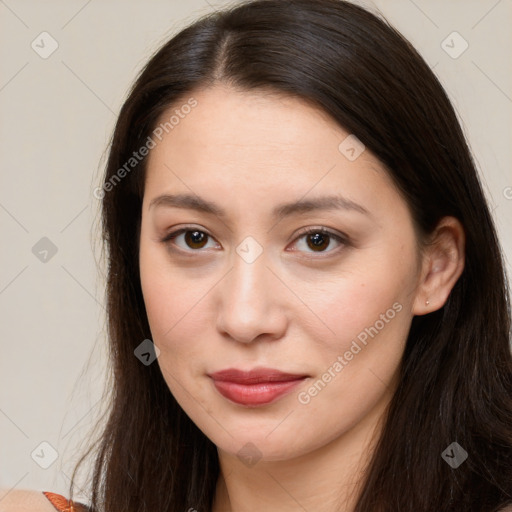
(294, 308)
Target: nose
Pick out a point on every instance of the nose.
(251, 302)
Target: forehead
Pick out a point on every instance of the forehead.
(230, 123)
(256, 142)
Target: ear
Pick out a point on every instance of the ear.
(442, 265)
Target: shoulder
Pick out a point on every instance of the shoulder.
(35, 501)
(24, 501)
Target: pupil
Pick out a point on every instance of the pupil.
(318, 239)
(195, 237)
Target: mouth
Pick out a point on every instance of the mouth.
(256, 387)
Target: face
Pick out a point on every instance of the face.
(233, 279)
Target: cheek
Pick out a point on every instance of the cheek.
(163, 288)
(177, 322)
(176, 302)
(166, 297)
(174, 312)
(350, 304)
(367, 311)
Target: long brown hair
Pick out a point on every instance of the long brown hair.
(456, 372)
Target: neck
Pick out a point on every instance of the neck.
(327, 479)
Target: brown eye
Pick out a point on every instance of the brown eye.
(187, 240)
(319, 240)
(195, 239)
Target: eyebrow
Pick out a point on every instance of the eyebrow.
(194, 202)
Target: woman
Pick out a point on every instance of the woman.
(307, 300)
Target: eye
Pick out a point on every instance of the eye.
(318, 239)
(192, 238)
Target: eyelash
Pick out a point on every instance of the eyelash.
(306, 231)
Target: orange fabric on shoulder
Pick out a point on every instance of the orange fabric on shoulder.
(62, 504)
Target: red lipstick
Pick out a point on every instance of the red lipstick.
(256, 387)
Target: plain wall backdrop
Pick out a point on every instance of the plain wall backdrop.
(66, 67)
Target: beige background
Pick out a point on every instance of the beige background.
(56, 117)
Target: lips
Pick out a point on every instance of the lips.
(256, 387)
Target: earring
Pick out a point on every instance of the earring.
(427, 302)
